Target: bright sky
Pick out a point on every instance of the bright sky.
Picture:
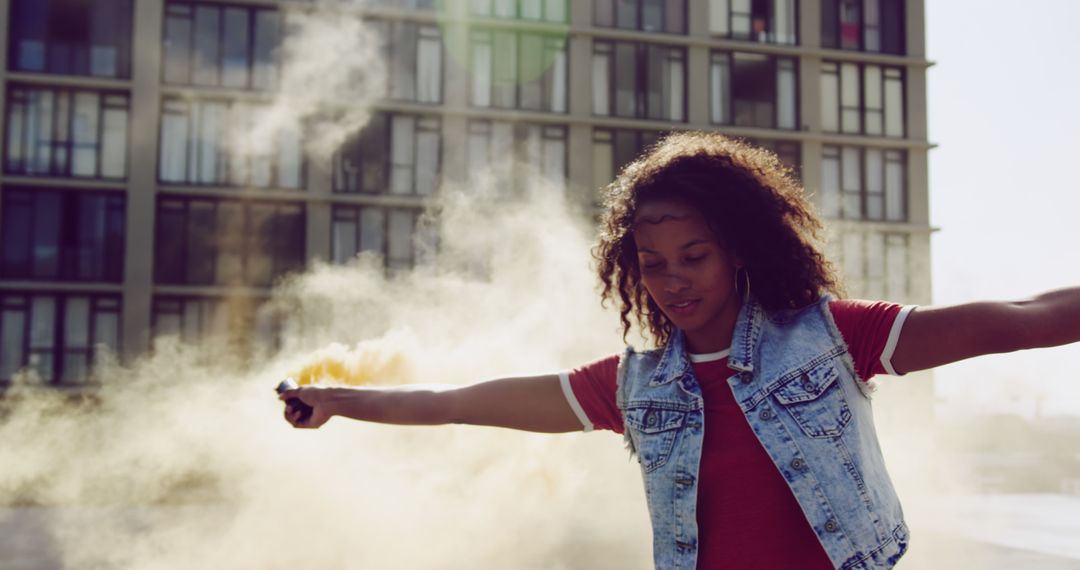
(1004, 104)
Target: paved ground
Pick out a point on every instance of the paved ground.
(26, 544)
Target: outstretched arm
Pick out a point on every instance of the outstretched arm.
(534, 403)
(933, 336)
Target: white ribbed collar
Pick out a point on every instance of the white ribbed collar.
(710, 357)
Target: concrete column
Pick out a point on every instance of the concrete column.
(142, 176)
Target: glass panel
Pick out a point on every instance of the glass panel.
(39, 132)
(871, 25)
(652, 15)
(555, 10)
(675, 16)
(114, 143)
(784, 21)
(626, 69)
(602, 161)
(479, 159)
(372, 230)
(895, 194)
(853, 260)
(753, 86)
(76, 338)
(875, 184)
(403, 73)
(740, 19)
(786, 90)
(872, 99)
(177, 45)
(896, 265)
(505, 8)
(427, 159)
(720, 86)
(42, 335)
(894, 104)
(12, 327)
(531, 71)
(851, 165)
(289, 157)
(231, 234)
(207, 47)
(481, 71)
(531, 9)
(554, 163)
(601, 72)
(399, 250)
(429, 66)
(260, 251)
(718, 17)
(875, 266)
(106, 332)
(849, 85)
(236, 58)
(504, 77)
(557, 74)
(830, 182)
(48, 211)
(84, 139)
(18, 214)
(402, 154)
(170, 243)
(604, 13)
(90, 245)
(343, 245)
(626, 14)
(674, 87)
(209, 142)
(172, 163)
(201, 241)
(264, 73)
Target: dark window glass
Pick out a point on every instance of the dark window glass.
(395, 153)
(221, 46)
(867, 25)
(397, 235)
(639, 80)
(767, 21)
(414, 53)
(71, 37)
(62, 235)
(66, 132)
(227, 242)
(864, 183)
(56, 338)
(667, 16)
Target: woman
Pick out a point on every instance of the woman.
(751, 418)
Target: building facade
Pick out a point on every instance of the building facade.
(126, 215)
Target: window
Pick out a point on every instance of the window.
(544, 10)
(221, 46)
(767, 21)
(57, 337)
(862, 99)
(77, 133)
(210, 142)
(615, 148)
(867, 25)
(645, 15)
(753, 90)
(645, 81)
(876, 263)
(233, 325)
(864, 183)
(517, 70)
(62, 235)
(414, 52)
(396, 234)
(227, 242)
(394, 153)
(517, 158)
(71, 37)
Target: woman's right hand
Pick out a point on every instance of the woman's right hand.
(319, 401)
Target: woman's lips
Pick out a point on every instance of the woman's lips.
(683, 308)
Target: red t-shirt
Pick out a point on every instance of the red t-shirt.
(747, 515)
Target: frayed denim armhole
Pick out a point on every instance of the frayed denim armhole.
(620, 398)
(867, 387)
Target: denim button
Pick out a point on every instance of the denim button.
(766, 414)
(651, 421)
(831, 525)
(798, 464)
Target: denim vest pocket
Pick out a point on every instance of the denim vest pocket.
(654, 429)
(816, 401)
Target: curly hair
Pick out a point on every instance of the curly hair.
(750, 199)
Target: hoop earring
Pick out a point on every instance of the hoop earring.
(745, 293)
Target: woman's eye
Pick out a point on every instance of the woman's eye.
(651, 266)
(695, 259)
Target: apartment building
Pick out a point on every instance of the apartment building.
(126, 214)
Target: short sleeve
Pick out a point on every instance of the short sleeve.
(871, 330)
(590, 390)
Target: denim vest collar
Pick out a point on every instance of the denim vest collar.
(674, 362)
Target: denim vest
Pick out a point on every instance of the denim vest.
(796, 384)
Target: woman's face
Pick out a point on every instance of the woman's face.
(687, 272)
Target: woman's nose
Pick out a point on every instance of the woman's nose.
(675, 283)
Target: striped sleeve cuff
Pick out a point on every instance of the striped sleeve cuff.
(894, 337)
(564, 382)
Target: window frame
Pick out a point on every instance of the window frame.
(832, 71)
(889, 156)
(728, 16)
(423, 123)
(490, 12)
(280, 260)
(225, 155)
(639, 11)
(519, 171)
(68, 147)
(340, 212)
(641, 78)
(252, 10)
(59, 347)
(832, 22)
(545, 79)
(775, 63)
(124, 63)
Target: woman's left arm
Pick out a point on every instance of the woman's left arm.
(933, 336)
